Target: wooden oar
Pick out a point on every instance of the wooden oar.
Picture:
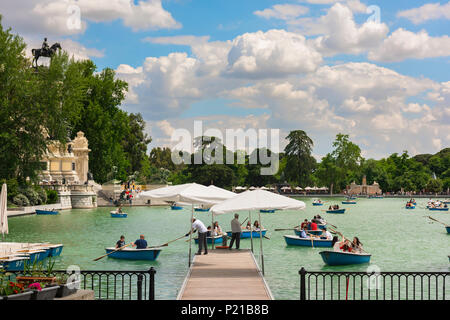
(167, 243)
(438, 221)
(244, 221)
(284, 229)
(113, 251)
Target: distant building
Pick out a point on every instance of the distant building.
(364, 188)
(67, 164)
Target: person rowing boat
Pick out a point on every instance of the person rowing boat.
(140, 243)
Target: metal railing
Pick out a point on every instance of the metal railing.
(325, 285)
(112, 285)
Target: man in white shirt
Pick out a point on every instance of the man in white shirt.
(202, 230)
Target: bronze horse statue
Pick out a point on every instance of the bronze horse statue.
(37, 53)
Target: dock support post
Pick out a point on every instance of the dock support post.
(261, 244)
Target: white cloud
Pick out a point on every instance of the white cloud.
(51, 16)
(282, 11)
(339, 33)
(403, 44)
(357, 105)
(429, 11)
(271, 54)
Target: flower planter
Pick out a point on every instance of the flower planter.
(64, 291)
(47, 293)
(26, 281)
(20, 296)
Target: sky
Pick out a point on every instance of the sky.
(378, 71)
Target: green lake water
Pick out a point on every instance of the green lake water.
(398, 239)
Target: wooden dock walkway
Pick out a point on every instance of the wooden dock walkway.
(225, 275)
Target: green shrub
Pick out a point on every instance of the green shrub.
(52, 196)
(21, 200)
(42, 195)
(32, 196)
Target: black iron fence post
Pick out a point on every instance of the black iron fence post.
(139, 286)
(151, 293)
(302, 273)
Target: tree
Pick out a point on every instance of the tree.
(299, 162)
(34, 107)
(135, 142)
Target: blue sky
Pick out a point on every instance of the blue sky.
(322, 68)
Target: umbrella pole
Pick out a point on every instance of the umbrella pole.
(261, 244)
(251, 228)
(190, 234)
(213, 238)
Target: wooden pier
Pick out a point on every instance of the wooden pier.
(225, 275)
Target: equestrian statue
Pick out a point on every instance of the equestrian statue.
(45, 51)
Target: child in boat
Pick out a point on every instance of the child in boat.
(121, 242)
(303, 233)
(249, 226)
(257, 226)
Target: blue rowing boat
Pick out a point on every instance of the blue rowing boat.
(317, 204)
(247, 234)
(118, 215)
(437, 209)
(336, 211)
(134, 254)
(176, 207)
(333, 258)
(47, 212)
(313, 232)
(307, 242)
(410, 207)
(448, 229)
(14, 263)
(55, 250)
(321, 226)
(267, 211)
(348, 202)
(197, 209)
(217, 239)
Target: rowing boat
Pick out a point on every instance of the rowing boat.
(336, 211)
(333, 258)
(217, 239)
(134, 254)
(176, 207)
(438, 209)
(348, 202)
(307, 242)
(267, 211)
(247, 234)
(317, 204)
(118, 215)
(13, 263)
(410, 207)
(47, 212)
(197, 209)
(448, 229)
